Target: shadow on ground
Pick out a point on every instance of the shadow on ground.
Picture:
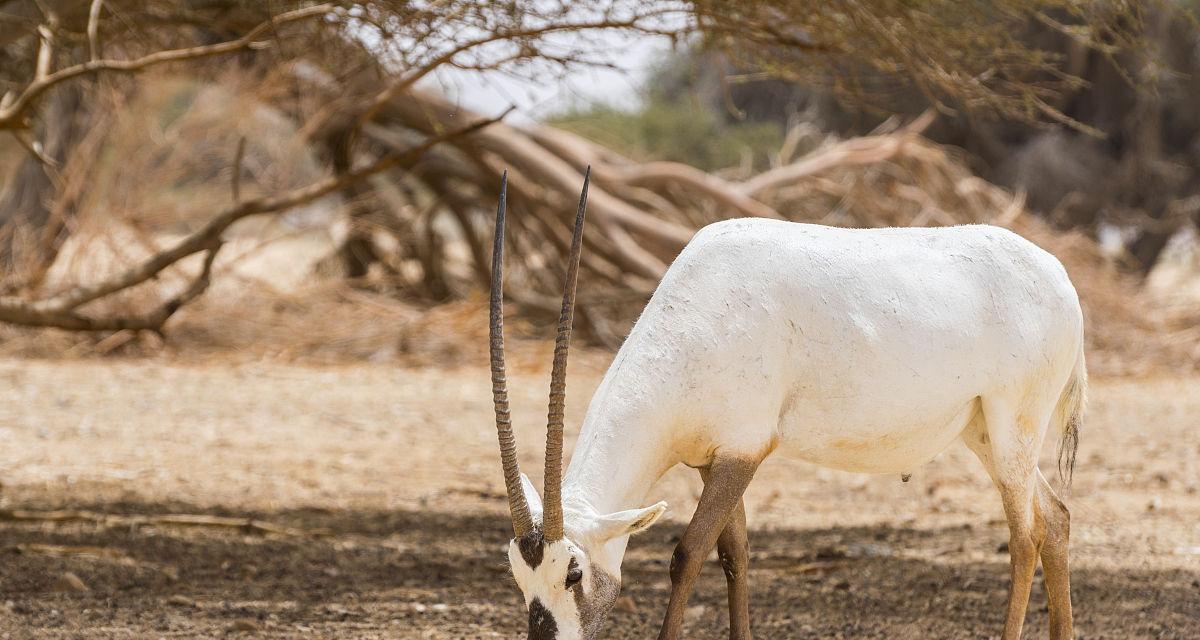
(441, 575)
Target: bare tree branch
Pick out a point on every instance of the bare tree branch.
(637, 23)
(35, 149)
(61, 311)
(45, 57)
(93, 30)
(235, 183)
(13, 115)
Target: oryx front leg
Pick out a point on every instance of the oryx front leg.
(733, 549)
(727, 479)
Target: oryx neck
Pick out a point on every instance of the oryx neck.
(618, 457)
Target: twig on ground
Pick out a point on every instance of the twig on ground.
(247, 525)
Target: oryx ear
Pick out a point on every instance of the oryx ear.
(627, 523)
(532, 497)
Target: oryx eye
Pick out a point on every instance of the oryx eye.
(574, 574)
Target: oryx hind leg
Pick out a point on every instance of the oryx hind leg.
(728, 478)
(1007, 442)
(733, 550)
(1055, 567)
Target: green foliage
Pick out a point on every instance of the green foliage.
(681, 130)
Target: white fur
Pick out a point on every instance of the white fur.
(591, 530)
(547, 583)
(860, 349)
(864, 350)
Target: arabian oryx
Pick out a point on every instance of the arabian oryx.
(867, 350)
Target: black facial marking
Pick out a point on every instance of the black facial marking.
(532, 547)
(541, 623)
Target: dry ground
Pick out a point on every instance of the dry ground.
(395, 467)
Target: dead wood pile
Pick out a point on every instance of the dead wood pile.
(643, 213)
(436, 203)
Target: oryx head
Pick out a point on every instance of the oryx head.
(568, 569)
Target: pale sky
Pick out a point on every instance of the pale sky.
(491, 93)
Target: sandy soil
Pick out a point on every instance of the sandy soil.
(395, 470)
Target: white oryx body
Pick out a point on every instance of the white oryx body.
(865, 350)
(868, 350)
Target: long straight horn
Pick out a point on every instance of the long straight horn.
(517, 505)
(553, 518)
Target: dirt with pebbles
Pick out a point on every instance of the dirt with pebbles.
(393, 474)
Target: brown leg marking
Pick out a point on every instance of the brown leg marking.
(1026, 534)
(1055, 568)
(727, 479)
(733, 549)
(1013, 468)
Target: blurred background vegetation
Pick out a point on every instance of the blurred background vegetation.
(677, 120)
(289, 180)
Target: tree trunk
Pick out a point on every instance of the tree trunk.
(34, 224)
